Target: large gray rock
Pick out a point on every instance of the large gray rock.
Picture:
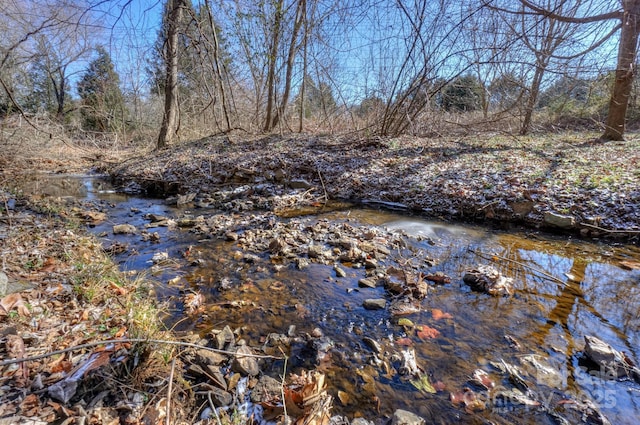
(220, 397)
(225, 339)
(124, 229)
(367, 282)
(243, 364)
(404, 417)
(559, 220)
(206, 357)
(374, 304)
(266, 389)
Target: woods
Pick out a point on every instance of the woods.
(216, 66)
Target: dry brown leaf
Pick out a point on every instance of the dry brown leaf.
(49, 265)
(425, 332)
(30, 406)
(439, 314)
(120, 333)
(60, 366)
(406, 342)
(344, 397)
(15, 346)
(12, 301)
(84, 316)
(119, 290)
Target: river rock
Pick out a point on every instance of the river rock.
(214, 373)
(610, 360)
(124, 229)
(225, 339)
(404, 417)
(300, 184)
(154, 218)
(487, 279)
(220, 397)
(558, 220)
(374, 304)
(301, 263)
(370, 263)
(314, 251)
(361, 421)
(372, 344)
(367, 282)
(339, 271)
(206, 357)
(266, 389)
(243, 364)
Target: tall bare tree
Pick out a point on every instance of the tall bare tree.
(628, 26)
(170, 118)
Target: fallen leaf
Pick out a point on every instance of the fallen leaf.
(119, 290)
(439, 386)
(344, 397)
(425, 332)
(405, 322)
(30, 406)
(406, 342)
(469, 399)
(439, 314)
(12, 301)
(49, 265)
(482, 378)
(423, 384)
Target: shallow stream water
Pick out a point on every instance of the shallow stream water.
(564, 289)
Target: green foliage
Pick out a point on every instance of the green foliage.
(506, 91)
(578, 102)
(370, 106)
(463, 94)
(196, 71)
(103, 107)
(318, 99)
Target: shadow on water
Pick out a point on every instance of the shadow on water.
(563, 289)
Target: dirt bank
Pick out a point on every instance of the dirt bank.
(566, 182)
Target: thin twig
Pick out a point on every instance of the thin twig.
(326, 195)
(169, 390)
(124, 341)
(284, 374)
(542, 272)
(213, 407)
(611, 231)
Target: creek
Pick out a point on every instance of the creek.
(563, 289)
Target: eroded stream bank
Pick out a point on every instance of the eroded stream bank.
(352, 291)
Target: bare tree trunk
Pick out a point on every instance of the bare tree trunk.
(271, 73)
(625, 72)
(218, 66)
(304, 72)
(293, 48)
(169, 128)
(532, 98)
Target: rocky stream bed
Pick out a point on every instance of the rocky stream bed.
(283, 298)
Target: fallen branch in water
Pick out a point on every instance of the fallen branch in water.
(541, 272)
